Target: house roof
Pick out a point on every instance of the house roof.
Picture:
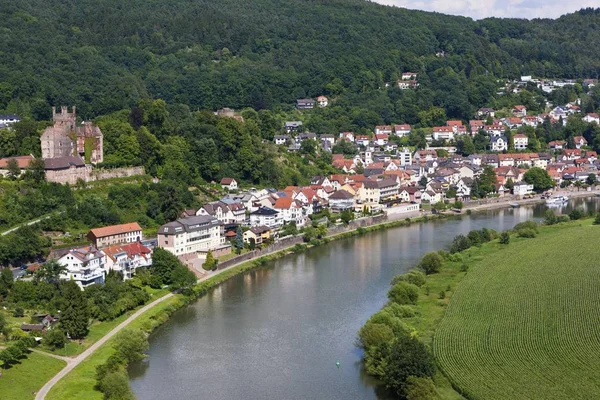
(189, 224)
(227, 181)
(265, 211)
(63, 163)
(257, 230)
(115, 230)
(22, 161)
(380, 184)
(454, 123)
(131, 249)
(341, 195)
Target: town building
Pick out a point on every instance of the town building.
(341, 200)
(67, 169)
(6, 120)
(115, 234)
(520, 141)
(66, 139)
(266, 216)
(127, 258)
(191, 235)
(259, 234)
(85, 266)
(305, 104)
(322, 101)
(229, 184)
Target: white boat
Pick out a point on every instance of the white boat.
(557, 200)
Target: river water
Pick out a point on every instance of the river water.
(277, 332)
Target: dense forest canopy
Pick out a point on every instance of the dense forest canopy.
(106, 55)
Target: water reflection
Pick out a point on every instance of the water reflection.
(277, 331)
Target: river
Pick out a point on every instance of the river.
(277, 332)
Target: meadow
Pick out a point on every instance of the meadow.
(523, 322)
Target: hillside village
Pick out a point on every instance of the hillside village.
(378, 173)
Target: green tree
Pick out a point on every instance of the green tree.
(50, 272)
(347, 216)
(430, 263)
(591, 179)
(238, 242)
(539, 178)
(55, 338)
(374, 334)
(13, 169)
(597, 219)
(75, 318)
(408, 357)
(115, 385)
(460, 243)
(163, 265)
(308, 146)
(210, 264)
(131, 344)
(504, 238)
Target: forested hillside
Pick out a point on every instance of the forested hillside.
(105, 55)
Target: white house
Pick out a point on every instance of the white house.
(322, 101)
(522, 188)
(229, 184)
(402, 130)
(281, 139)
(520, 141)
(498, 143)
(443, 133)
(127, 258)
(580, 142)
(341, 200)
(266, 216)
(387, 129)
(8, 119)
(405, 156)
(85, 266)
(592, 117)
(290, 210)
(494, 130)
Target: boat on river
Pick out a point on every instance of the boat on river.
(557, 200)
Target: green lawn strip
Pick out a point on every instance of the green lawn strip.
(79, 383)
(22, 380)
(522, 322)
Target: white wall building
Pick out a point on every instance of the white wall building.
(191, 235)
(85, 266)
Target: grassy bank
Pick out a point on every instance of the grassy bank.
(524, 321)
(22, 380)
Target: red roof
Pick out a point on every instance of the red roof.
(115, 230)
(227, 181)
(454, 123)
(404, 127)
(442, 129)
(22, 161)
(520, 108)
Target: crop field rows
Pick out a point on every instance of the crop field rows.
(525, 323)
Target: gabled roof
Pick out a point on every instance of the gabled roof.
(22, 161)
(115, 230)
(63, 163)
(227, 181)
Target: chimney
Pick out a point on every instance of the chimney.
(63, 110)
(73, 108)
(53, 112)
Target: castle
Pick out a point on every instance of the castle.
(66, 139)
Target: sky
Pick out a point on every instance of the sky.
(478, 9)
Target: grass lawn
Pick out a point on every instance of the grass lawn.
(523, 323)
(21, 380)
(79, 383)
(101, 328)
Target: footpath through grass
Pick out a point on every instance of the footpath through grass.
(22, 380)
(523, 323)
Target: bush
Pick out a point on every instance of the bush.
(504, 238)
(401, 310)
(415, 277)
(19, 312)
(474, 238)
(418, 388)
(526, 233)
(597, 219)
(526, 225)
(55, 338)
(464, 267)
(442, 294)
(550, 217)
(430, 263)
(576, 214)
(373, 334)
(404, 293)
(460, 243)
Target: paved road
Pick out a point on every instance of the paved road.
(73, 362)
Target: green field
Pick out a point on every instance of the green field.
(523, 323)
(22, 380)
